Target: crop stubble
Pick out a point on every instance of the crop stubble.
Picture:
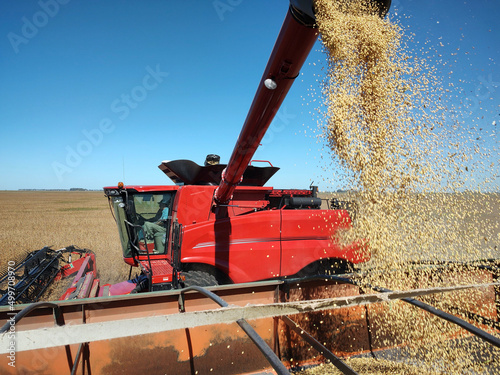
(30, 220)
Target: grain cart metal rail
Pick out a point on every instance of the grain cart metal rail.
(184, 332)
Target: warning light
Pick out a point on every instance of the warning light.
(120, 185)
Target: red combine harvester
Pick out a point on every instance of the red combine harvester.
(258, 233)
(221, 224)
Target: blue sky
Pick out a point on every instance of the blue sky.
(96, 92)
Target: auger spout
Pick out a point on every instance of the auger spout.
(294, 43)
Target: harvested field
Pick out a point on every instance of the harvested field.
(31, 220)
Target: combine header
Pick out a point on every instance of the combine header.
(218, 249)
(28, 280)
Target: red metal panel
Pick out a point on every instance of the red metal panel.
(162, 270)
(246, 247)
(71, 268)
(246, 200)
(308, 235)
(192, 204)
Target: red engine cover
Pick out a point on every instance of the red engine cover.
(267, 244)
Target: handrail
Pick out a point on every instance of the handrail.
(495, 341)
(268, 353)
(137, 249)
(261, 161)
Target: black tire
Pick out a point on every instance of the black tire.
(199, 278)
(326, 267)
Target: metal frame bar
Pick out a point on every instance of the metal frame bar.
(323, 350)
(58, 318)
(495, 341)
(83, 353)
(268, 353)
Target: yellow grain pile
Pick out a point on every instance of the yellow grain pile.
(416, 170)
(368, 367)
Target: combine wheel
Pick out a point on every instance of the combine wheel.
(199, 278)
(326, 267)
